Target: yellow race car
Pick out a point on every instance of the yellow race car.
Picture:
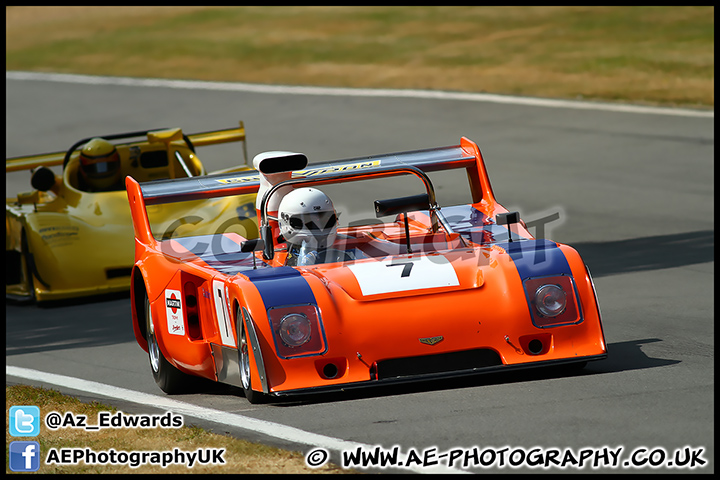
(72, 235)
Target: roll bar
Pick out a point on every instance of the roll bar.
(349, 176)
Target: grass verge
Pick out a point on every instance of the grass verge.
(240, 456)
(647, 55)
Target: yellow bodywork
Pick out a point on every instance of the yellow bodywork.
(64, 242)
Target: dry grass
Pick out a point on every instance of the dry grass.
(240, 456)
(657, 55)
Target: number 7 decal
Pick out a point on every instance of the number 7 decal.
(407, 266)
(374, 277)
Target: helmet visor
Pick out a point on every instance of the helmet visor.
(100, 166)
(320, 221)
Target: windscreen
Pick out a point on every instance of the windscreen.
(211, 216)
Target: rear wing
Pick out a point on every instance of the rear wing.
(466, 155)
(30, 162)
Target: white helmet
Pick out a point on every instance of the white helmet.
(307, 215)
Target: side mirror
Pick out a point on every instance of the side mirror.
(508, 219)
(42, 179)
(268, 245)
(393, 206)
(253, 245)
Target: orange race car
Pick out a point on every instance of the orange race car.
(411, 288)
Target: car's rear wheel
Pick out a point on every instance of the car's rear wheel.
(168, 378)
(252, 396)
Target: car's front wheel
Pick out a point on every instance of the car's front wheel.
(26, 270)
(168, 378)
(252, 396)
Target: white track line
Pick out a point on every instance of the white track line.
(264, 427)
(352, 92)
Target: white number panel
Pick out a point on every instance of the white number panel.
(401, 275)
(222, 314)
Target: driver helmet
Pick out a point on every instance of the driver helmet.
(307, 215)
(99, 164)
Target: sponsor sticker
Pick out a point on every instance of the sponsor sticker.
(173, 310)
(305, 173)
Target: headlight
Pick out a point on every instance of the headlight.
(295, 329)
(550, 300)
(553, 301)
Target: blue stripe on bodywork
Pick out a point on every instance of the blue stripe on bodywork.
(537, 258)
(277, 286)
(281, 286)
(541, 258)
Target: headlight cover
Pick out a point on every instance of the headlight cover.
(297, 330)
(553, 301)
(550, 300)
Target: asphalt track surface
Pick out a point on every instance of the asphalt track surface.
(634, 192)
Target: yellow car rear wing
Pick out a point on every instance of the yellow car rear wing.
(202, 139)
(30, 162)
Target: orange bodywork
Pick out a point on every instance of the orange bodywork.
(462, 302)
